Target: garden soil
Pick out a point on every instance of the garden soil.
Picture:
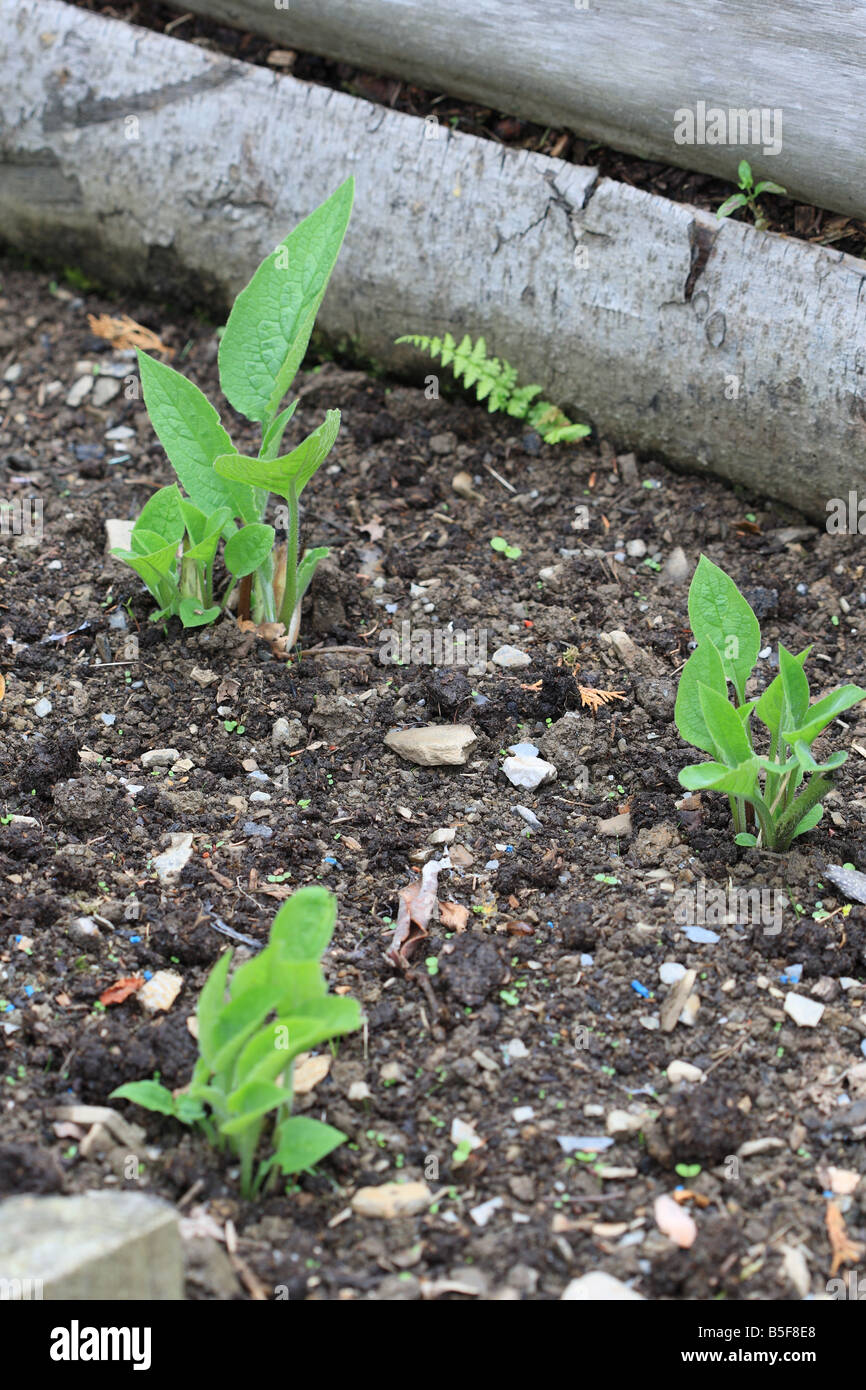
(516, 1057)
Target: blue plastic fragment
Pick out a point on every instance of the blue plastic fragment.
(148, 974)
(640, 989)
(135, 940)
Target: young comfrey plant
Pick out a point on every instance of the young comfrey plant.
(175, 539)
(250, 1030)
(769, 802)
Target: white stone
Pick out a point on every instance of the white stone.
(170, 864)
(599, 1287)
(159, 992)
(671, 972)
(806, 1013)
(528, 773)
(159, 757)
(433, 745)
(509, 656)
(683, 1071)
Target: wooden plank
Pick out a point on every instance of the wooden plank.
(618, 71)
(165, 168)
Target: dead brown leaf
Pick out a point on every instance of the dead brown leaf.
(121, 989)
(123, 332)
(417, 904)
(845, 1250)
(453, 916)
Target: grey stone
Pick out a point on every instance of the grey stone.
(120, 1246)
(433, 745)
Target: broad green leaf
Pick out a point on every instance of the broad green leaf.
(745, 839)
(304, 925)
(823, 712)
(271, 321)
(712, 776)
(192, 612)
(303, 1142)
(803, 755)
(152, 568)
(249, 1102)
(248, 548)
(718, 613)
(274, 434)
(304, 981)
(211, 1003)
(737, 200)
(704, 667)
(294, 469)
(194, 520)
(265, 1056)
(725, 726)
(318, 1020)
(795, 687)
(809, 821)
(188, 1109)
(307, 568)
(146, 542)
(189, 430)
(163, 514)
(767, 186)
(769, 706)
(149, 1094)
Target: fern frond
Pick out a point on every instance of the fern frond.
(495, 381)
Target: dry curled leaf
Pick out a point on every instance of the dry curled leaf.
(121, 989)
(453, 916)
(123, 332)
(594, 699)
(418, 902)
(845, 1250)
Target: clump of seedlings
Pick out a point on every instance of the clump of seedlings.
(495, 382)
(749, 194)
(769, 802)
(250, 1030)
(175, 539)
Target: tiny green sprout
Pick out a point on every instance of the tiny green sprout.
(304, 803)
(500, 544)
(461, 1153)
(768, 807)
(688, 1170)
(748, 197)
(609, 879)
(432, 965)
(509, 997)
(280, 877)
(176, 538)
(278, 1006)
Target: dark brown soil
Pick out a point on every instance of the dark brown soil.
(705, 191)
(531, 1025)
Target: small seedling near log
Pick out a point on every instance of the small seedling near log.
(749, 194)
(176, 537)
(278, 1006)
(495, 382)
(729, 639)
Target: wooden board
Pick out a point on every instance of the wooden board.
(619, 71)
(164, 168)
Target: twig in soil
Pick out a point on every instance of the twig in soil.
(219, 925)
(728, 1053)
(191, 1192)
(499, 478)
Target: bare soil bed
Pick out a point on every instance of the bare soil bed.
(538, 1019)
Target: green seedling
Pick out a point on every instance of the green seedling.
(763, 791)
(177, 536)
(249, 1032)
(495, 382)
(749, 194)
(500, 544)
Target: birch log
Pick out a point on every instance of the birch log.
(160, 166)
(619, 71)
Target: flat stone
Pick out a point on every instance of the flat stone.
(596, 1286)
(433, 745)
(159, 992)
(392, 1200)
(676, 1001)
(528, 773)
(170, 864)
(615, 825)
(288, 733)
(509, 656)
(121, 1246)
(683, 1071)
(806, 1013)
(159, 757)
(105, 389)
(623, 1122)
(79, 390)
(676, 568)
